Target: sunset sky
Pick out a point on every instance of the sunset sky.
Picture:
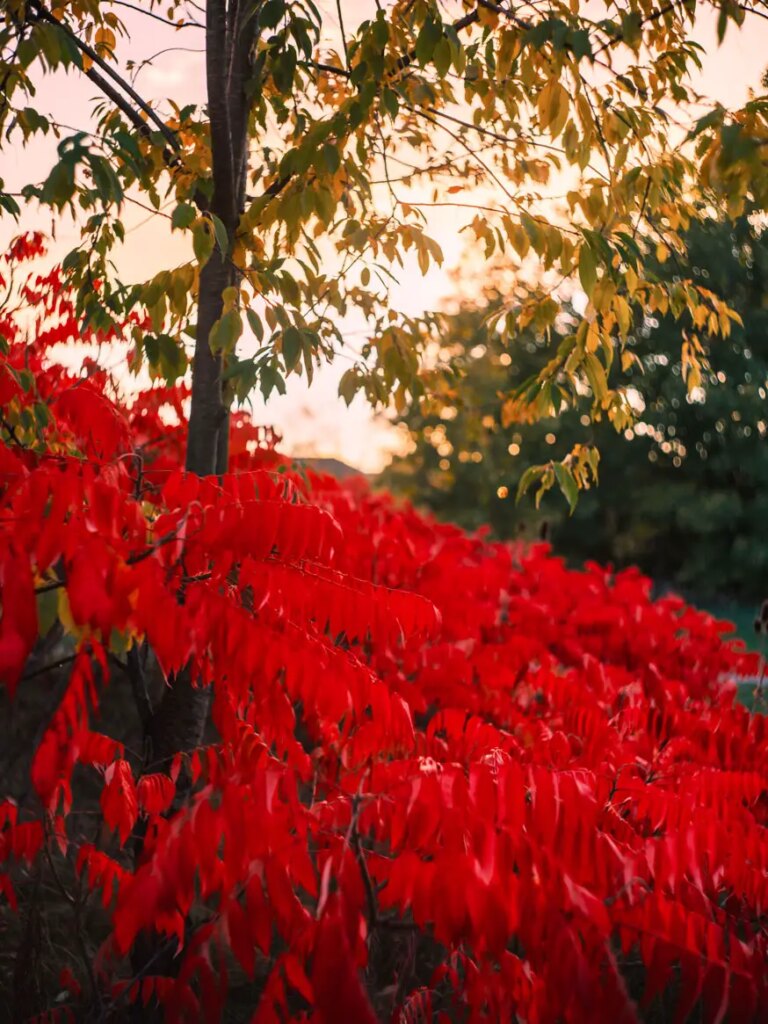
(313, 421)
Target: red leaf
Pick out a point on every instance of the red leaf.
(296, 976)
(240, 938)
(119, 801)
(97, 749)
(338, 991)
(18, 626)
(155, 793)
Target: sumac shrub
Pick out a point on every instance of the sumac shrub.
(438, 779)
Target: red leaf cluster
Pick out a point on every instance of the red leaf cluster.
(538, 777)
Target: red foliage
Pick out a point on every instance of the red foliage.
(538, 774)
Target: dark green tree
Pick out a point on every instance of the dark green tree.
(686, 498)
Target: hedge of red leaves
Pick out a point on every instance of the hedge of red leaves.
(452, 780)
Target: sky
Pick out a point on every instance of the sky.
(313, 421)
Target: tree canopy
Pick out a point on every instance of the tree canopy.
(682, 492)
(305, 178)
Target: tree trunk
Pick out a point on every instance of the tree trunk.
(208, 415)
(179, 721)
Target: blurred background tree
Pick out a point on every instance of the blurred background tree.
(684, 494)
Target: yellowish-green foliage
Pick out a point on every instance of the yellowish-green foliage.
(488, 108)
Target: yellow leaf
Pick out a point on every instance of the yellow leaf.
(559, 111)
(544, 103)
(105, 37)
(623, 314)
(596, 377)
(552, 106)
(65, 615)
(519, 239)
(593, 337)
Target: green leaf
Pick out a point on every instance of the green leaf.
(442, 57)
(152, 349)
(202, 241)
(9, 204)
(183, 216)
(325, 205)
(59, 185)
(539, 34)
(567, 484)
(226, 332)
(331, 158)
(42, 414)
(119, 643)
(309, 342)
(580, 43)
(172, 358)
(715, 116)
(529, 477)
(33, 121)
(430, 35)
(631, 24)
(284, 70)
(104, 178)
(222, 239)
(380, 31)
(587, 269)
(390, 102)
(272, 13)
(47, 611)
(292, 346)
(254, 322)
(533, 230)
(270, 379)
(242, 375)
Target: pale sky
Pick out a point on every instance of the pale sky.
(315, 420)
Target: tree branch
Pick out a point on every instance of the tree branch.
(343, 33)
(216, 70)
(244, 31)
(140, 556)
(138, 680)
(45, 15)
(646, 21)
(157, 17)
(50, 667)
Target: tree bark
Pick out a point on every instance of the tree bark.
(178, 723)
(208, 414)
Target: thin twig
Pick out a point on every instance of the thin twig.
(157, 17)
(343, 33)
(51, 667)
(75, 903)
